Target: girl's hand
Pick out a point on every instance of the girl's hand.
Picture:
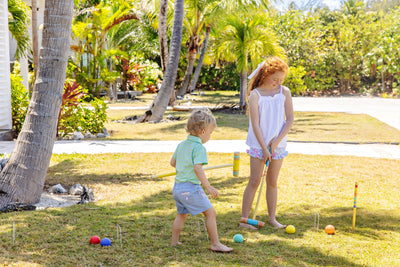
(212, 191)
(266, 154)
(273, 145)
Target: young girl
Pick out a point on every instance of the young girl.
(271, 116)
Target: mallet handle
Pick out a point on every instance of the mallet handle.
(206, 168)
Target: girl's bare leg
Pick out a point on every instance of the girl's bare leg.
(256, 168)
(272, 191)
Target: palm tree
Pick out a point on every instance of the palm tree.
(158, 107)
(245, 40)
(162, 33)
(18, 25)
(35, 39)
(199, 65)
(23, 177)
(201, 15)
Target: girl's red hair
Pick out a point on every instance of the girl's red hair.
(271, 65)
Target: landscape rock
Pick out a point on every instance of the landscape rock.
(87, 195)
(105, 132)
(89, 135)
(173, 118)
(57, 189)
(101, 135)
(3, 163)
(77, 136)
(76, 189)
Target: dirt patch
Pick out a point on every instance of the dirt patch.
(48, 200)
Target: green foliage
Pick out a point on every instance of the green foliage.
(76, 116)
(222, 78)
(18, 20)
(93, 119)
(294, 80)
(19, 100)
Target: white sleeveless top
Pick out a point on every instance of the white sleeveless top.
(272, 119)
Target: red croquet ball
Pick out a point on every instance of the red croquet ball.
(95, 240)
(330, 229)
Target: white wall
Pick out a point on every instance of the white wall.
(5, 84)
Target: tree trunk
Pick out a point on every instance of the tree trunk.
(23, 177)
(199, 65)
(162, 33)
(35, 39)
(188, 74)
(158, 107)
(243, 88)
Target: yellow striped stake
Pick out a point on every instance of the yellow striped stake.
(206, 168)
(236, 163)
(355, 207)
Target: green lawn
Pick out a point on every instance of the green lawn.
(308, 126)
(144, 209)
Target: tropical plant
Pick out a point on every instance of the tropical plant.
(246, 40)
(18, 19)
(93, 49)
(19, 100)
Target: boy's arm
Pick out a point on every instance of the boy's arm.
(173, 162)
(198, 169)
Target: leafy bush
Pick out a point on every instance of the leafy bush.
(19, 100)
(294, 80)
(93, 119)
(214, 78)
(75, 116)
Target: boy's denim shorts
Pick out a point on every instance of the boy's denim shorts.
(190, 198)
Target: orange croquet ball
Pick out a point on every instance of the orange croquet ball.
(330, 229)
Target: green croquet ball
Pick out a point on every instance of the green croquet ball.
(290, 229)
(238, 238)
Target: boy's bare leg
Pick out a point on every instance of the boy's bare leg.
(211, 224)
(177, 228)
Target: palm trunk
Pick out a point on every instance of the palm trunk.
(23, 177)
(162, 33)
(199, 65)
(35, 41)
(243, 88)
(159, 106)
(188, 74)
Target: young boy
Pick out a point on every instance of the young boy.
(188, 159)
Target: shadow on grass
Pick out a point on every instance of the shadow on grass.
(60, 236)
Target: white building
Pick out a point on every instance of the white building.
(5, 84)
(7, 54)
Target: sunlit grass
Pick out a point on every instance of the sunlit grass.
(308, 126)
(143, 207)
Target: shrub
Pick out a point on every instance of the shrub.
(76, 116)
(19, 100)
(294, 80)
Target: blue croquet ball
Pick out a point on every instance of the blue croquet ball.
(105, 242)
(238, 238)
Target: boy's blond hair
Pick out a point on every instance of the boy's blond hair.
(199, 120)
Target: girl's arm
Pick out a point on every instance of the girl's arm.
(289, 119)
(198, 169)
(255, 122)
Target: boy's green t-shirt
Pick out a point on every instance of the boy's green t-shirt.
(187, 154)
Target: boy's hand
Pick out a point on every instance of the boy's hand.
(212, 191)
